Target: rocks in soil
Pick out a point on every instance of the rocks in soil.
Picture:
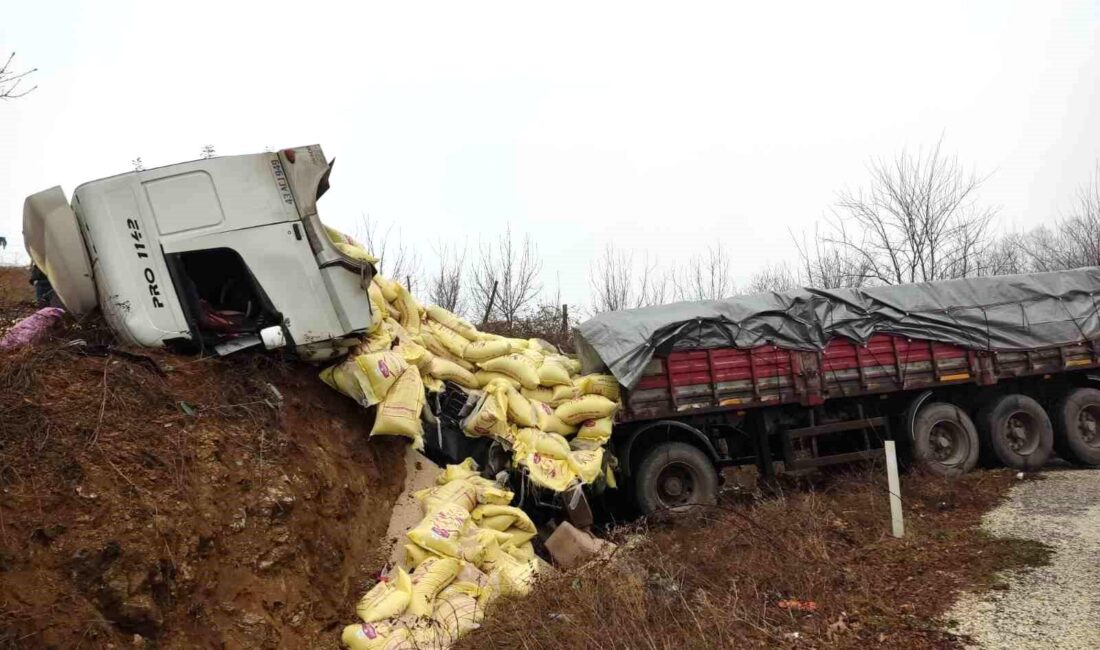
(126, 593)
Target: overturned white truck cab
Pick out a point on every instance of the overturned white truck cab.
(213, 255)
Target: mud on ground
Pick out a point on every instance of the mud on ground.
(224, 503)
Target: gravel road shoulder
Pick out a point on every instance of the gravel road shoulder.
(1052, 606)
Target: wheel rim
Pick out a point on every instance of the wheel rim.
(676, 485)
(1021, 433)
(948, 443)
(1088, 425)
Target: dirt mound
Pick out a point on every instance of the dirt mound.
(230, 503)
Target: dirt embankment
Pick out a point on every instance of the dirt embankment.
(195, 503)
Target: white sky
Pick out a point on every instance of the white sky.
(658, 127)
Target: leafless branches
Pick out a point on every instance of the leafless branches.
(706, 276)
(446, 288)
(207, 152)
(917, 221)
(514, 268)
(10, 80)
(397, 260)
(1074, 241)
(774, 277)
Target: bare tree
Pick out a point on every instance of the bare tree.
(505, 278)
(1073, 241)
(207, 151)
(706, 276)
(612, 282)
(396, 260)
(919, 220)
(10, 80)
(774, 277)
(137, 164)
(1005, 255)
(825, 265)
(446, 288)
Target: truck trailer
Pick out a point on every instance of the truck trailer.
(999, 370)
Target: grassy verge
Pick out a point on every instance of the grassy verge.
(727, 576)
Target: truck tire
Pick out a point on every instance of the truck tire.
(944, 440)
(1015, 430)
(673, 477)
(1077, 427)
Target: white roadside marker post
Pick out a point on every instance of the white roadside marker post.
(894, 485)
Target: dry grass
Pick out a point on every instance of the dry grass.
(717, 580)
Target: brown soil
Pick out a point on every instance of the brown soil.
(197, 508)
(720, 579)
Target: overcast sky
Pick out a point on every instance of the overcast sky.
(656, 127)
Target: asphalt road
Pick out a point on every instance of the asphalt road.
(1055, 606)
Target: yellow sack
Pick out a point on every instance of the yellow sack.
(428, 579)
(438, 349)
(535, 356)
(530, 440)
(452, 340)
(598, 430)
(357, 253)
(553, 373)
(377, 341)
(605, 385)
(516, 366)
(491, 492)
(450, 371)
(549, 422)
(387, 599)
(563, 394)
(347, 378)
(520, 409)
(414, 555)
(541, 394)
(542, 345)
(433, 385)
(478, 351)
(374, 636)
(523, 552)
(573, 365)
(506, 519)
(399, 413)
(382, 370)
(378, 301)
(408, 309)
(518, 344)
(389, 287)
(416, 355)
(456, 612)
(485, 378)
(477, 542)
(441, 530)
(589, 407)
(549, 472)
(465, 469)
(489, 417)
(587, 464)
(459, 491)
(516, 577)
(453, 321)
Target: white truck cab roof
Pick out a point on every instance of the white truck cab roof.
(204, 253)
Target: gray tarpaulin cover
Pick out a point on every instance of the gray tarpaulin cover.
(1009, 312)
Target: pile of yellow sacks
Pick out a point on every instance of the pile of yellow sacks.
(530, 396)
(470, 548)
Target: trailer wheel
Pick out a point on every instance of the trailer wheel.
(944, 439)
(1077, 427)
(1015, 430)
(673, 477)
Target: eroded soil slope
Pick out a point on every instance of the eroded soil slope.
(192, 502)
